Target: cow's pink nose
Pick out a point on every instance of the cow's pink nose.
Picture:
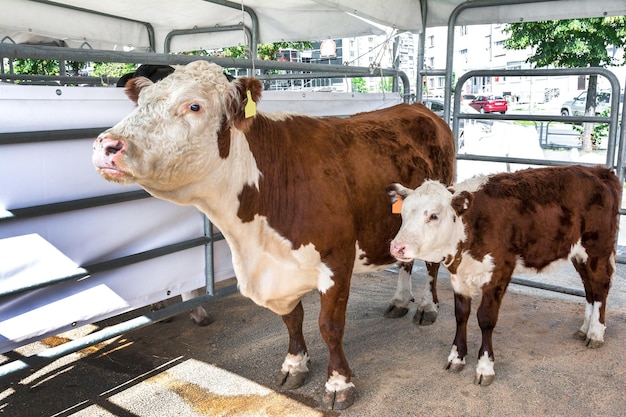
(109, 145)
(397, 249)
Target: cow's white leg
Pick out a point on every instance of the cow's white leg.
(399, 305)
(485, 373)
(428, 306)
(198, 314)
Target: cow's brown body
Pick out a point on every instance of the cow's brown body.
(300, 200)
(525, 220)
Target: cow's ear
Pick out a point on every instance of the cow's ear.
(462, 201)
(395, 190)
(246, 89)
(134, 86)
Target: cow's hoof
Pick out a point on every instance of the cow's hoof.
(289, 381)
(205, 321)
(394, 312)
(454, 367)
(594, 344)
(338, 400)
(580, 335)
(424, 318)
(483, 380)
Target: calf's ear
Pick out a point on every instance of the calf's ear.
(462, 201)
(134, 86)
(395, 190)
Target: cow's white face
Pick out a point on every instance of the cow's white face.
(171, 136)
(431, 227)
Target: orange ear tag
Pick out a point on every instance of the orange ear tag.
(396, 208)
(250, 109)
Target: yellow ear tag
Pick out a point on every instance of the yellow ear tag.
(250, 109)
(396, 208)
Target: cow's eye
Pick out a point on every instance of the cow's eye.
(194, 107)
(433, 217)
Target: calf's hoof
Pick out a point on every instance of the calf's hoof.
(590, 343)
(289, 381)
(483, 380)
(424, 318)
(455, 367)
(338, 400)
(594, 344)
(393, 311)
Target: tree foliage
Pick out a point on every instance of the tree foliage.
(572, 43)
(112, 69)
(265, 51)
(36, 66)
(359, 85)
(569, 43)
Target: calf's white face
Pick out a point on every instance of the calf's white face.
(431, 226)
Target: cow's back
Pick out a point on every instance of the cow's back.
(330, 174)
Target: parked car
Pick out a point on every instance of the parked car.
(490, 104)
(436, 105)
(490, 138)
(576, 106)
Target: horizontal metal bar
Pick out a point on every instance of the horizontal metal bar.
(110, 264)
(78, 274)
(51, 354)
(525, 161)
(64, 206)
(12, 51)
(548, 287)
(62, 80)
(49, 135)
(536, 118)
(310, 75)
(146, 255)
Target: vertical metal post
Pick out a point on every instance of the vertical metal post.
(209, 268)
(419, 86)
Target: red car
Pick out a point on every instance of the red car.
(489, 104)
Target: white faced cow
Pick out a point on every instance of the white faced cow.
(300, 200)
(486, 228)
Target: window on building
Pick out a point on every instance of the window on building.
(431, 41)
(463, 54)
(463, 30)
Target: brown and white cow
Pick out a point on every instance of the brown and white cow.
(488, 227)
(300, 200)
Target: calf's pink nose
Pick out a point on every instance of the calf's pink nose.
(397, 249)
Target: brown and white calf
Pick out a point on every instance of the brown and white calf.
(488, 227)
(300, 200)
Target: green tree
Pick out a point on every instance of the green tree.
(36, 66)
(358, 85)
(266, 51)
(571, 43)
(112, 69)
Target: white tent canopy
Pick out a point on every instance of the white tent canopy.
(144, 25)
